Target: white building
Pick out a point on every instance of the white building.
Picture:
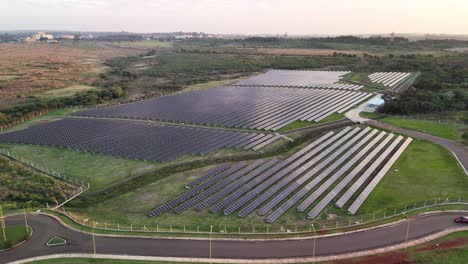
(43, 35)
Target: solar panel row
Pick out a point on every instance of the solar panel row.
(389, 78)
(266, 108)
(134, 139)
(293, 78)
(323, 169)
(268, 179)
(331, 149)
(210, 174)
(224, 182)
(364, 176)
(342, 184)
(342, 86)
(182, 198)
(220, 195)
(370, 187)
(305, 189)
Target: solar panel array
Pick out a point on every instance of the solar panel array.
(266, 108)
(134, 139)
(389, 78)
(342, 86)
(341, 163)
(293, 78)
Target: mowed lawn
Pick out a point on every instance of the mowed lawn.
(98, 170)
(433, 128)
(14, 235)
(423, 171)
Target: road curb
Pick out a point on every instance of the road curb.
(421, 215)
(259, 261)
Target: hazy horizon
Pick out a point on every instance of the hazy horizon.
(295, 17)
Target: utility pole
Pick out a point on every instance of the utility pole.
(315, 240)
(25, 218)
(94, 240)
(407, 234)
(211, 231)
(3, 224)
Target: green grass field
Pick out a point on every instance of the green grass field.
(423, 171)
(436, 129)
(370, 115)
(14, 235)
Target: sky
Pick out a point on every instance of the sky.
(295, 17)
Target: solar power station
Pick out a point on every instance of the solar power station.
(333, 169)
(263, 108)
(135, 139)
(294, 78)
(340, 86)
(301, 79)
(389, 79)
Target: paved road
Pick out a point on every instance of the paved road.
(46, 227)
(460, 151)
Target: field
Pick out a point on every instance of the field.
(449, 131)
(65, 92)
(33, 68)
(15, 234)
(424, 171)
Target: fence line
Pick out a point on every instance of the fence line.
(267, 229)
(425, 118)
(49, 172)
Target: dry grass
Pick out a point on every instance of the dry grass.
(31, 68)
(300, 52)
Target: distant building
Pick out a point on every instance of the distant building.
(375, 103)
(67, 36)
(43, 35)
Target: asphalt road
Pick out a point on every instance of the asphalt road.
(460, 151)
(46, 227)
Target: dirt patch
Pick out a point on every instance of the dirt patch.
(332, 217)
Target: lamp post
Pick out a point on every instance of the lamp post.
(3, 223)
(94, 239)
(25, 217)
(313, 249)
(211, 231)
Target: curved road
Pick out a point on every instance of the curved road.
(460, 151)
(46, 227)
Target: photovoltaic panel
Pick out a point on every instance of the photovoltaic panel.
(342, 184)
(363, 178)
(370, 187)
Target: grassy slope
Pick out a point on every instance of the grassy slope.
(300, 124)
(97, 170)
(433, 128)
(425, 171)
(15, 234)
